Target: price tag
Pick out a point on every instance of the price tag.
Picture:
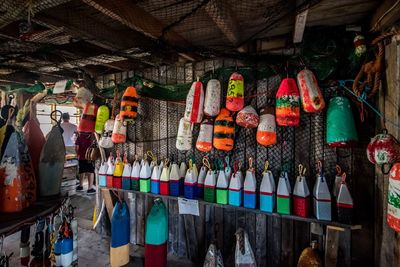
(188, 206)
(59, 87)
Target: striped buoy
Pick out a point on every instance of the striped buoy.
(266, 130)
(222, 188)
(301, 195)
(110, 171)
(174, 177)
(212, 99)
(118, 170)
(200, 182)
(135, 175)
(205, 138)
(103, 114)
(322, 197)
(155, 180)
(145, 174)
(119, 132)
(126, 174)
(88, 120)
(283, 193)
(235, 93)
(338, 181)
(250, 184)
(191, 182)
(344, 202)
(209, 183)
(288, 103)
(393, 210)
(236, 187)
(182, 174)
(105, 140)
(103, 174)
(194, 103)
(267, 190)
(311, 96)
(120, 234)
(164, 179)
(129, 104)
(224, 131)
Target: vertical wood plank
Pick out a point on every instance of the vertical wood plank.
(331, 247)
(140, 205)
(173, 223)
(275, 231)
(229, 236)
(287, 258)
(191, 238)
(261, 240)
(184, 248)
(219, 224)
(209, 222)
(200, 226)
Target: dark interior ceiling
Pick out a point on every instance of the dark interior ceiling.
(103, 36)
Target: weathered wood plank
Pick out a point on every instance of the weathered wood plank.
(261, 240)
(191, 238)
(182, 238)
(219, 224)
(331, 247)
(229, 236)
(200, 233)
(287, 255)
(173, 223)
(209, 224)
(275, 238)
(141, 216)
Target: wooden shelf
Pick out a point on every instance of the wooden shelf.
(337, 225)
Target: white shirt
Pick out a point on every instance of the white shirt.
(69, 130)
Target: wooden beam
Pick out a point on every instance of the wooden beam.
(386, 15)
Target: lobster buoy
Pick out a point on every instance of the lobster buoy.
(344, 202)
(383, 149)
(266, 131)
(135, 175)
(194, 103)
(126, 174)
(224, 131)
(164, 180)
(120, 235)
(118, 170)
(222, 188)
(200, 182)
(283, 194)
(119, 132)
(184, 136)
(338, 181)
(155, 180)
(301, 195)
(267, 190)
(236, 188)
(247, 117)
(322, 197)
(88, 120)
(182, 174)
(213, 257)
(209, 183)
(110, 171)
(244, 255)
(235, 93)
(288, 103)
(103, 174)
(340, 127)
(145, 174)
(105, 139)
(174, 177)
(212, 99)
(129, 104)
(311, 96)
(191, 182)
(393, 211)
(205, 138)
(103, 114)
(250, 184)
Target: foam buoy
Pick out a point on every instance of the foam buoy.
(250, 184)
(393, 210)
(205, 138)
(212, 99)
(105, 139)
(120, 233)
(224, 131)
(145, 174)
(184, 135)
(103, 174)
(288, 103)
(103, 114)
(244, 255)
(129, 104)
(235, 93)
(194, 103)
(174, 177)
(200, 182)
(88, 120)
(266, 130)
(247, 117)
(340, 127)
(119, 131)
(383, 149)
(311, 96)
(191, 182)
(283, 194)
(322, 197)
(126, 174)
(344, 202)
(118, 170)
(135, 175)
(267, 190)
(164, 179)
(156, 236)
(209, 183)
(182, 174)
(155, 180)
(222, 188)
(110, 171)
(301, 195)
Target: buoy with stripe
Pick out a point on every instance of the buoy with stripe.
(212, 100)
(155, 180)
(164, 179)
(209, 183)
(174, 177)
(120, 234)
(67, 246)
(266, 130)
(236, 187)
(338, 181)
(88, 120)
(184, 135)
(283, 194)
(119, 132)
(191, 182)
(105, 139)
(393, 209)
(156, 236)
(301, 195)
(118, 170)
(126, 174)
(103, 174)
(110, 171)
(267, 190)
(224, 131)
(200, 182)
(129, 104)
(182, 174)
(250, 185)
(322, 197)
(205, 138)
(344, 202)
(222, 187)
(235, 93)
(194, 103)
(311, 96)
(103, 114)
(287, 108)
(135, 175)
(145, 174)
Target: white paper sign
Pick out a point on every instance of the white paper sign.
(59, 87)
(188, 206)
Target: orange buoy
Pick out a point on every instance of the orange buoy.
(204, 140)
(119, 132)
(129, 104)
(224, 131)
(266, 131)
(235, 93)
(88, 120)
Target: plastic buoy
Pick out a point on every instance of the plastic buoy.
(145, 174)
(118, 170)
(236, 187)
(105, 140)
(119, 131)
(288, 103)
(191, 182)
(247, 117)
(200, 182)
(135, 175)
(205, 138)
(126, 174)
(312, 99)
(222, 188)
(283, 194)
(103, 114)
(174, 177)
(194, 103)
(212, 99)
(129, 104)
(224, 131)
(103, 174)
(322, 197)
(266, 131)
(182, 174)
(267, 190)
(209, 183)
(110, 171)
(155, 180)
(164, 179)
(344, 202)
(301, 195)
(393, 211)
(235, 93)
(184, 135)
(250, 184)
(88, 120)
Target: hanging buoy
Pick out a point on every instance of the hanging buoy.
(222, 188)
(383, 149)
(200, 182)
(184, 136)
(129, 104)
(266, 131)
(359, 45)
(88, 120)
(110, 171)
(105, 140)
(250, 184)
(126, 174)
(227, 169)
(182, 174)
(340, 127)
(235, 93)
(174, 177)
(120, 233)
(164, 179)
(344, 202)
(309, 257)
(322, 197)
(393, 210)
(135, 175)
(145, 174)
(267, 190)
(288, 103)
(194, 103)
(156, 236)
(301, 195)
(103, 174)
(338, 181)
(118, 170)
(247, 117)
(224, 131)
(103, 114)
(212, 99)
(209, 183)
(311, 96)
(205, 138)
(119, 132)
(155, 180)
(191, 181)
(244, 256)
(283, 194)
(213, 257)
(236, 187)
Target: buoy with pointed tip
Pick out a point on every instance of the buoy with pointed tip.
(267, 190)
(322, 197)
(110, 171)
(191, 182)
(155, 180)
(126, 174)
(200, 182)
(103, 174)
(338, 180)
(209, 183)
(222, 188)
(118, 170)
(120, 229)
(236, 187)
(135, 175)
(344, 202)
(145, 174)
(283, 194)
(174, 177)
(182, 174)
(164, 179)
(301, 195)
(250, 185)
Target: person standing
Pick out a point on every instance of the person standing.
(86, 167)
(68, 134)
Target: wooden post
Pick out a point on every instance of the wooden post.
(331, 247)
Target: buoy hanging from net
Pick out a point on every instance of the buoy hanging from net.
(288, 103)
(235, 93)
